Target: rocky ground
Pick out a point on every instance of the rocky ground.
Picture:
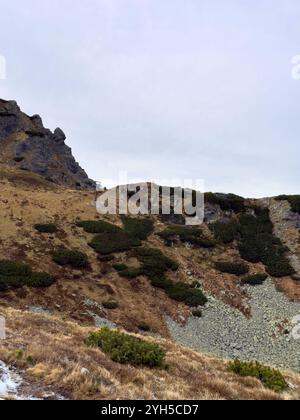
(225, 332)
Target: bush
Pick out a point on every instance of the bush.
(138, 228)
(254, 279)
(108, 243)
(186, 234)
(40, 280)
(294, 201)
(226, 201)
(237, 269)
(258, 244)
(98, 226)
(126, 349)
(46, 228)
(120, 267)
(14, 275)
(106, 258)
(71, 258)
(271, 378)
(131, 273)
(144, 327)
(224, 232)
(110, 305)
(181, 292)
(197, 313)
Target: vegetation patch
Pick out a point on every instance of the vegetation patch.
(120, 267)
(109, 243)
(46, 228)
(271, 378)
(98, 226)
(186, 234)
(155, 265)
(254, 279)
(227, 202)
(197, 313)
(238, 269)
(225, 232)
(259, 244)
(72, 258)
(131, 273)
(110, 305)
(294, 201)
(138, 228)
(14, 275)
(126, 349)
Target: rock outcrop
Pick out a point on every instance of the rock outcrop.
(28, 145)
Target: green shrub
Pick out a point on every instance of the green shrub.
(14, 275)
(98, 226)
(271, 378)
(138, 228)
(259, 244)
(126, 349)
(12, 268)
(226, 201)
(224, 232)
(144, 327)
(186, 234)
(254, 279)
(109, 243)
(46, 228)
(120, 267)
(197, 313)
(110, 305)
(181, 292)
(131, 273)
(294, 201)
(71, 258)
(237, 269)
(106, 258)
(40, 280)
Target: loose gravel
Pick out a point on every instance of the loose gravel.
(225, 332)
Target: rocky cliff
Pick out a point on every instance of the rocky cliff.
(28, 145)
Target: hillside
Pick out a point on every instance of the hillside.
(145, 293)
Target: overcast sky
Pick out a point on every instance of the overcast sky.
(163, 88)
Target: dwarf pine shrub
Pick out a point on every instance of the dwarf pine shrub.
(294, 201)
(125, 349)
(46, 228)
(72, 258)
(237, 269)
(109, 243)
(254, 279)
(224, 232)
(227, 202)
(14, 275)
(186, 234)
(271, 378)
(138, 228)
(98, 226)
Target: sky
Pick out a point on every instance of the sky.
(163, 89)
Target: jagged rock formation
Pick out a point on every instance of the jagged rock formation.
(28, 145)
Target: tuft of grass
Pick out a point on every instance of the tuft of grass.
(139, 229)
(72, 258)
(237, 269)
(98, 226)
(126, 349)
(46, 228)
(254, 279)
(271, 378)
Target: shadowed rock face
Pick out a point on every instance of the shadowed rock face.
(28, 145)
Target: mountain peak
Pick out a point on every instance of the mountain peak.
(25, 143)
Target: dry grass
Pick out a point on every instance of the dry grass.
(59, 360)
